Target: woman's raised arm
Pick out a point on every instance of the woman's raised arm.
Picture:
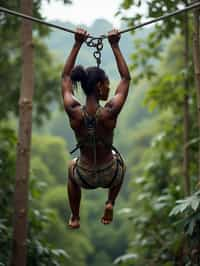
(67, 91)
(116, 103)
(80, 36)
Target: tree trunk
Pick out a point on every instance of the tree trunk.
(196, 58)
(186, 110)
(19, 247)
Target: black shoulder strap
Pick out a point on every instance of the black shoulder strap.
(90, 123)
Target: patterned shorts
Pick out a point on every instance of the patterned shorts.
(108, 175)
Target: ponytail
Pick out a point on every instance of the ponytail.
(87, 77)
(79, 74)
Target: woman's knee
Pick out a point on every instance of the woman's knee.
(71, 177)
(71, 167)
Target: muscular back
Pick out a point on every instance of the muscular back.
(104, 130)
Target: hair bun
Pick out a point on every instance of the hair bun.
(79, 74)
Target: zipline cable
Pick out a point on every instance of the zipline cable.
(97, 42)
(18, 14)
(187, 8)
(94, 42)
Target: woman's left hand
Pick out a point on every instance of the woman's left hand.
(114, 37)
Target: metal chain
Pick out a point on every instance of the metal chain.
(96, 43)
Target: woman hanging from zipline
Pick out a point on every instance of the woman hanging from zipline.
(99, 164)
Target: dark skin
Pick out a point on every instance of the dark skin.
(106, 122)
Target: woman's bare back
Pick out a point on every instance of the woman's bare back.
(104, 135)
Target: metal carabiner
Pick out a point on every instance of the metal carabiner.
(96, 43)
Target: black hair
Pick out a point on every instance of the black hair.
(88, 77)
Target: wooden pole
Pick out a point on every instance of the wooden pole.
(196, 58)
(19, 247)
(186, 109)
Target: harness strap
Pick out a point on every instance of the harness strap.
(94, 187)
(99, 170)
(78, 145)
(95, 155)
(80, 176)
(115, 175)
(99, 139)
(83, 180)
(91, 122)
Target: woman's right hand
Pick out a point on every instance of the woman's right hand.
(81, 35)
(114, 37)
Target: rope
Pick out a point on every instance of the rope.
(94, 42)
(97, 42)
(52, 25)
(188, 8)
(177, 12)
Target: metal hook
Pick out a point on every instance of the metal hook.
(96, 43)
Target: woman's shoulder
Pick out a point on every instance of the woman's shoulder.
(108, 121)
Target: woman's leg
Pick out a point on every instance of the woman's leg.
(74, 195)
(113, 193)
(108, 211)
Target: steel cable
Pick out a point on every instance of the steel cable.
(97, 42)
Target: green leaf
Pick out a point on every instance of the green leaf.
(175, 211)
(125, 258)
(60, 252)
(184, 206)
(195, 203)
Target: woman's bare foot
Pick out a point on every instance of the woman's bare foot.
(108, 214)
(74, 222)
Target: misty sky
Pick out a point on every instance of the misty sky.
(82, 11)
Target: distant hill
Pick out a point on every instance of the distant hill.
(60, 43)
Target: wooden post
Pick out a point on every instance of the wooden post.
(19, 247)
(186, 110)
(196, 58)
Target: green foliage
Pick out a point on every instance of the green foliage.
(47, 82)
(170, 79)
(56, 199)
(189, 206)
(46, 146)
(40, 170)
(188, 211)
(187, 203)
(149, 50)
(39, 251)
(57, 232)
(125, 258)
(155, 237)
(7, 170)
(59, 126)
(47, 77)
